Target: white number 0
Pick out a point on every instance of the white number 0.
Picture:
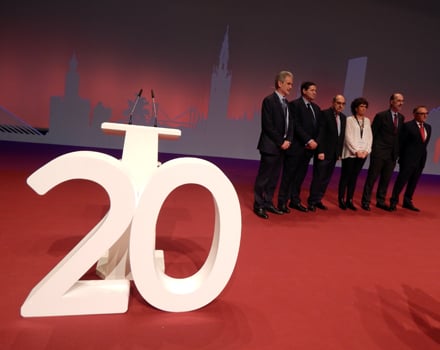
(61, 292)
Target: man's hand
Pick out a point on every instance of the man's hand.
(285, 145)
(311, 144)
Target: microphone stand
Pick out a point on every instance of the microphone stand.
(134, 106)
(154, 109)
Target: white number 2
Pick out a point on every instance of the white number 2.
(60, 292)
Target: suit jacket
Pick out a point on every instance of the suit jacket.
(329, 142)
(273, 126)
(306, 127)
(385, 138)
(413, 151)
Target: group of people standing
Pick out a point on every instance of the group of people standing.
(293, 133)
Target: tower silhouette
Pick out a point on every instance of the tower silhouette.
(69, 114)
(220, 88)
(71, 85)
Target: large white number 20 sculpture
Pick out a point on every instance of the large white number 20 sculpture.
(137, 189)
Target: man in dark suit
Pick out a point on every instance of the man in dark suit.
(330, 141)
(305, 115)
(414, 140)
(275, 138)
(386, 127)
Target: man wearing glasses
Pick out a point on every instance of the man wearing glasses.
(414, 141)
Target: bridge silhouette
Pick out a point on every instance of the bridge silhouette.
(10, 123)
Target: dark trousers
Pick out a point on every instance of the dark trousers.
(408, 176)
(378, 167)
(267, 179)
(290, 167)
(303, 166)
(351, 167)
(322, 174)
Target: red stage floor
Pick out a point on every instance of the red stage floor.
(324, 280)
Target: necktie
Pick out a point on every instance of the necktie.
(286, 115)
(422, 131)
(309, 107)
(284, 104)
(395, 121)
(338, 123)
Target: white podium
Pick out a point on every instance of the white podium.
(140, 158)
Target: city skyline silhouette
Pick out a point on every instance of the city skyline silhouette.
(74, 121)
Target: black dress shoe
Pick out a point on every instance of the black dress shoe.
(341, 203)
(410, 206)
(284, 209)
(320, 206)
(393, 207)
(274, 210)
(311, 207)
(365, 207)
(383, 206)
(261, 213)
(298, 206)
(350, 205)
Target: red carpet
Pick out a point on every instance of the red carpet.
(324, 280)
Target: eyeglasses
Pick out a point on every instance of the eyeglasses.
(422, 113)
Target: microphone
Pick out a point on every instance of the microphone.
(138, 96)
(154, 109)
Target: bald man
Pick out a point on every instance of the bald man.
(330, 141)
